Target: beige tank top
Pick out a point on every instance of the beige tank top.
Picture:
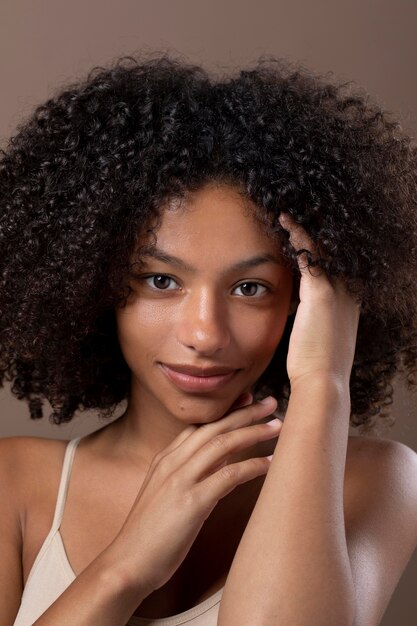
(52, 573)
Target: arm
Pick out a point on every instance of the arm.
(101, 595)
(292, 565)
(10, 534)
(380, 502)
(323, 547)
(139, 559)
(381, 521)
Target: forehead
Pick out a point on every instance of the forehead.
(214, 217)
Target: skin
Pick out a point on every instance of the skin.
(332, 541)
(202, 317)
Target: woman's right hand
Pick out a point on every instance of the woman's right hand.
(184, 483)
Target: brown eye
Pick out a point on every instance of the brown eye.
(252, 289)
(159, 282)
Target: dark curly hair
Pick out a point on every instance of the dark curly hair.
(88, 173)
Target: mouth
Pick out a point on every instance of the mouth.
(190, 379)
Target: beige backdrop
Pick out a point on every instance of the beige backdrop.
(46, 43)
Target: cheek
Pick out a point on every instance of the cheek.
(140, 332)
(261, 339)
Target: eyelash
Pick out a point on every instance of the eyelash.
(246, 282)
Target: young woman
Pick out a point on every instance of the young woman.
(216, 252)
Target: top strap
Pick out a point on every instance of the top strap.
(64, 482)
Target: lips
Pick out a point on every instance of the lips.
(210, 370)
(191, 378)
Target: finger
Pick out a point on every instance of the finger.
(244, 399)
(245, 416)
(218, 450)
(222, 482)
(302, 243)
(298, 235)
(184, 434)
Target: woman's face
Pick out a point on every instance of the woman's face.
(212, 294)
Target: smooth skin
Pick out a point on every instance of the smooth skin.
(192, 454)
(205, 314)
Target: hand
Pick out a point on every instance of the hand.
(183, 485)
(323, 337)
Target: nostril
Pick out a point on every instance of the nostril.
(203, 337)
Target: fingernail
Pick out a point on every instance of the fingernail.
(275, 422)
(266, 400)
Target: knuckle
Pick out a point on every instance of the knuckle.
(192, 499)
(174, 482)
(197, 501)
(258, 464)
(163, 469)
(219, 441)
(254, 415)
(229, 472)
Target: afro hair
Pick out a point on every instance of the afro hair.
(89, 171)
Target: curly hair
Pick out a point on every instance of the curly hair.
(89, 171)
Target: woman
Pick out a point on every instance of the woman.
(194, 246)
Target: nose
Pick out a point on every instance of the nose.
(203, 323)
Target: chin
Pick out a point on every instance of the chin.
(202, 409)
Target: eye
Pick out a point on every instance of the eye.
(251, 289)
(159, 282)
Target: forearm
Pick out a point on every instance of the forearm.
(102, 595)
(292, 564)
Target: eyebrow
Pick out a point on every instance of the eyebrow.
(246, 264)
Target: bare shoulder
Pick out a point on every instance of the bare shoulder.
(376, 454)
(371, 461)
(380, 507)
(25, 462)
(18, 453)
(381, 488)
(366, 444)
(29, 445)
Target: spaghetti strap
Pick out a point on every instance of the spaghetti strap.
(64, 482)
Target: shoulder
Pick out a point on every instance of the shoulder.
(370, 450)
(25, 465)
(28, 450)
(366, 444)
(384, 469)
(380, 507)
(380, 496)
(381, 457)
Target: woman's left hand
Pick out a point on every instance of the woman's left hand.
(323, 337)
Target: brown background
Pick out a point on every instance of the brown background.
(45, 44)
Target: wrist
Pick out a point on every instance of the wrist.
(329, 383)
(118, 576)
